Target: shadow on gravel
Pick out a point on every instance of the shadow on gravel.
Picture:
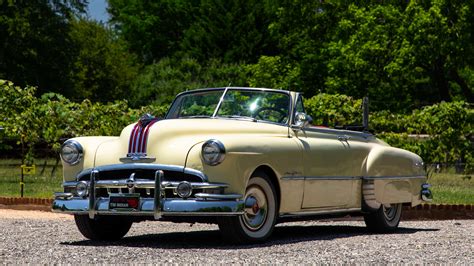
(212, 239)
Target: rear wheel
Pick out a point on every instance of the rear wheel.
(258, 221)
(385, 219)
(103, 228)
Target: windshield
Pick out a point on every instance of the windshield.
(255, 105)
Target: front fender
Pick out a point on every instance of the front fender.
(234, 170)
(90, 146)
(245, 154)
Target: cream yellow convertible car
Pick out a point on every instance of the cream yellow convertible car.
(244, 158)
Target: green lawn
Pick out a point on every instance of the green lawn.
(452, 188)
(39, 185)
(448, 188)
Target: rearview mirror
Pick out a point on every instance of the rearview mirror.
(302, 120)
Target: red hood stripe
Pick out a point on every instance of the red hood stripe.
(139, 137)
(145, 136)
(140, 140)
(132, 138)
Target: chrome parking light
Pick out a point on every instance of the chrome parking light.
(81, 189)
(184, 189)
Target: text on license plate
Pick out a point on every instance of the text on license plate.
(124, 201)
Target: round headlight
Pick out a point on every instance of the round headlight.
(71, 152)
(213, 152)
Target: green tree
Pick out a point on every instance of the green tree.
(103, 68)
(34, 42)
(439, 45)
(152, 29)
(159, 83)
(234, 31)
(273, 72)
(399, 53)
(19, 121)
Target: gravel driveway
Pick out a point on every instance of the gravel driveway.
(41, 237)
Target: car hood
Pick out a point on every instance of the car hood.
(170, 140)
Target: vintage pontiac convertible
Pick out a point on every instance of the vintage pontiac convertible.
(243, 158)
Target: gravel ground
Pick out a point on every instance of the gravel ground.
(45, 238)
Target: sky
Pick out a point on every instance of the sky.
(97, 10)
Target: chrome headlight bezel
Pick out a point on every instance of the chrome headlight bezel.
(213, 152)
(71, 152)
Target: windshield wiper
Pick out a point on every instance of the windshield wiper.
(253, 119)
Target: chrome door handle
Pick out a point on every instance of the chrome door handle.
(343, 138)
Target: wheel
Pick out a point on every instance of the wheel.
(385, 219)
(103, 228)
(258, 220)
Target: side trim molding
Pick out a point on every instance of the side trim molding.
(349, 177)
(320, 212)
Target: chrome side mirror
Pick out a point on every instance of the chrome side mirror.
(302, 120)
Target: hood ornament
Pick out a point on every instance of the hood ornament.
(146, 119)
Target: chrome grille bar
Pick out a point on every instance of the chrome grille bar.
(140, 183)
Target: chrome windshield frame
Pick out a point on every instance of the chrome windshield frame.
(224, 92)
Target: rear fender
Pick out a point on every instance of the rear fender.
(392, 175)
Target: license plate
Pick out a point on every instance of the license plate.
(124, 201)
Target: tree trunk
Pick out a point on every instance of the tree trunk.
(441, 81)
(464, 87)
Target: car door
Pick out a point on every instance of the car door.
(328, 170)
(329, 173)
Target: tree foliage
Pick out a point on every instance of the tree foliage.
(152, 29)
(403, 55)
(416, 52)
(34, 42)
(102, 69)
(233, 31)
(50, 118)
(159, 83)
(48, 45)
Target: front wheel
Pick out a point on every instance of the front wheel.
(103, 228)
(258, 221)
(385, 219)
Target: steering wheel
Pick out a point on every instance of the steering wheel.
(264, 113)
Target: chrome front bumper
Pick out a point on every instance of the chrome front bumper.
(203, 204)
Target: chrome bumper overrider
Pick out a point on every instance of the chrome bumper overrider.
(203, 204)
(426, 194)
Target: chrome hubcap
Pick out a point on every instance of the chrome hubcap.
(390, 212)
(256, 208)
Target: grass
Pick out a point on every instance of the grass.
(40, 185)
(448, 188)
(451, 188)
